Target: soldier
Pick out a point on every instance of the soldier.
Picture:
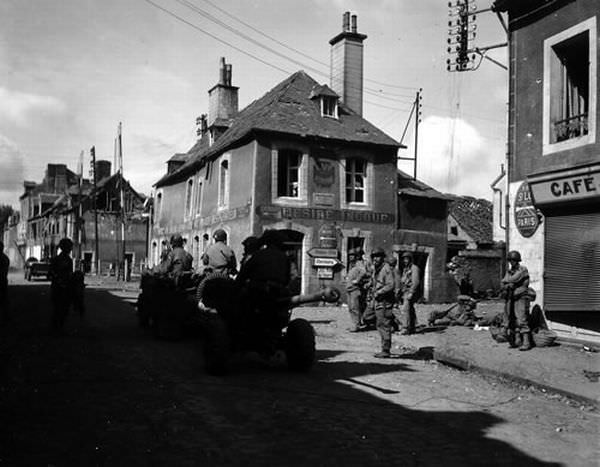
(219, 257)
(61, 274)
(516, 284)
(410, 280)
(4, 265)
(251, 245)
(178, 261)
(356, 281)
(382, 294)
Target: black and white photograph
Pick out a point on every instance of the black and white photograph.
(299, 233)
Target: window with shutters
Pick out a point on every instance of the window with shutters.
(570, 88)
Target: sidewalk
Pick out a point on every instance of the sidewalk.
(560, 369)
(563, 368)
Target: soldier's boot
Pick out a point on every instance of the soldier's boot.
(526, 344)
(515, 341)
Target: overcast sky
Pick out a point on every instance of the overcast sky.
(71, 70)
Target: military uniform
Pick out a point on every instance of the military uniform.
(61, 272)
(4, 265)
(516, 315)
(356, 281)
(410, 280)
(220, 258)
(382, 290)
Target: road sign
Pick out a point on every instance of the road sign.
(325, 273)
(323, 253)
(325, 262)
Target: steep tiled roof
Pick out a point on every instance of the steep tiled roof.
(411, 187)
(474, 216)
(286, 109)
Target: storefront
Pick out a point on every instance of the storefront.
(570, 203)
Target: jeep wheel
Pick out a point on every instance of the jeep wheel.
(215, 346)
(300, 345)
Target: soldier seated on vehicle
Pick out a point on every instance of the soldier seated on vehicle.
(219, 257)
(178, 261)
(266, 275)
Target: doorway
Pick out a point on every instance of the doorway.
(292, 246)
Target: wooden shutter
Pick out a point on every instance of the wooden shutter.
(572, 263)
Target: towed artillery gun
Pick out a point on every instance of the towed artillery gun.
(218, 308)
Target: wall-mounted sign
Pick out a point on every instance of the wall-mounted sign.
(582, 186)
(526, 216)
(325, 262)
(323, 172)
(323, 199)
(323, 253)
(322, 214)
(327, 236)
(325, 273)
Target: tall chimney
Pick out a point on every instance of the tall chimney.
(347, 64)
(222, 97)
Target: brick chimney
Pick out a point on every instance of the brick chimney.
(347, 64)
(222, 97)
(102, 169)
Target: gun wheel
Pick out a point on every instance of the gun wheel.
(300, 345)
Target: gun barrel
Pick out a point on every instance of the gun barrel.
(328, 294)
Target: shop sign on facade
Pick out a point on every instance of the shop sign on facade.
(325, 273)
(526, 216)
(563, 188)
(327, 236)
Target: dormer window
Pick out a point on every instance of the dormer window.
(329, 107)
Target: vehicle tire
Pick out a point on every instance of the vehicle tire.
(300, 345)
(143, 312)
(216, 346)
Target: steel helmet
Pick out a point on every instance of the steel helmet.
(220, 235)
(176, 240)
(65, 244)
(514, 255)
(378, 252)
(407, 254)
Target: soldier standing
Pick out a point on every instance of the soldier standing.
(516, 285)
(382, 292)
(355, 284)
(61, 273)
(410, 280)
(219, 257)
(4, 265)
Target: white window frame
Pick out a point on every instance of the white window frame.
(199, 196)
(588, 25)
(368, 191)
(224, 185)
(158, 208)
(301, 199)
(189, 195)
(335, 106)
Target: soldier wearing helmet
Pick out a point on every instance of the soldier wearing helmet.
(408, 292)
(178, 261)
(219, 257)
(4, 265)
(515, 284)
(382, 300)
(356, 284)
(60, 274)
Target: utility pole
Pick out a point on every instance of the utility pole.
(96, 239)
(125, 268)
(79, 212)
(416, 109)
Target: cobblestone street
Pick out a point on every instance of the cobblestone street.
(107, 393)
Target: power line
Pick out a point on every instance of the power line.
(217, 21)
(225, 12)
(192, 25)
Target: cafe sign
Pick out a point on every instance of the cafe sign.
(526, 217)
(574, 186)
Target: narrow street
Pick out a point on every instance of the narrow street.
(107, 393)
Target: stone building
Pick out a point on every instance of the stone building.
(554, 157)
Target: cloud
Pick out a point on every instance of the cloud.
(18, 107)
(454, 157)
(11, 171)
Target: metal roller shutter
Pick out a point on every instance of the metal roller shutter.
(572, 263)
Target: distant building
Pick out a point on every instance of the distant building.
(63, 208)
(554, 157)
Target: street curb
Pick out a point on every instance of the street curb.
(467, 365)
